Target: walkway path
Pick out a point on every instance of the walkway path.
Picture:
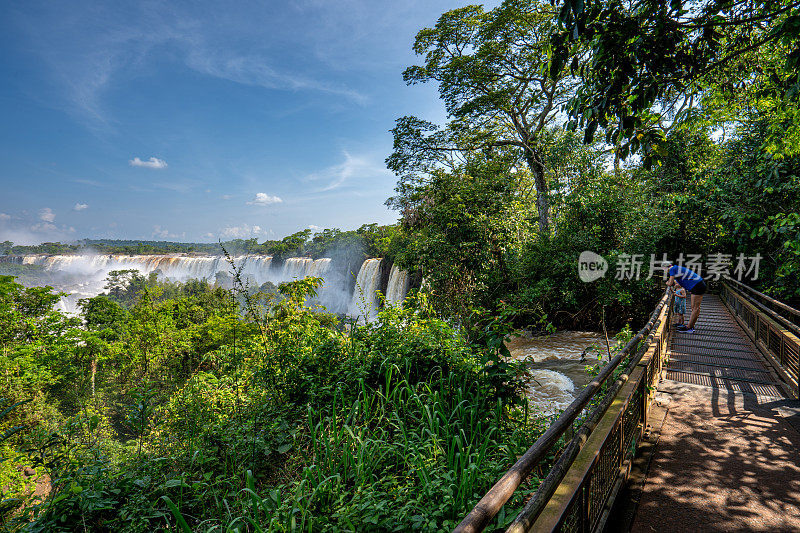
(728, 454)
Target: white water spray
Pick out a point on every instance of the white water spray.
(398, 286)
(364, 302)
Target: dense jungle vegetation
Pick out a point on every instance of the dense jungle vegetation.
(642, 129)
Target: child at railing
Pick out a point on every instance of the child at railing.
(679, 305)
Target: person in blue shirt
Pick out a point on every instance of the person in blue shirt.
(694, 285)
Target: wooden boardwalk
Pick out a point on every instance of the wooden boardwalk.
(719, 355)
(726, 456)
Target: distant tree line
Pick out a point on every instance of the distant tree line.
(369, 240)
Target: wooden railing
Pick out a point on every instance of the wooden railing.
(591, 467)
(771, 328)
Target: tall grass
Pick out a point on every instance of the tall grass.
(400, 457)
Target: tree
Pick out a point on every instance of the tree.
(118, 283)
(37, 346)
(491, 68)
(459, 228)
(646, 60)
(101, 313)
(288, 246)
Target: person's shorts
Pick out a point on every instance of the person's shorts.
(699, 289)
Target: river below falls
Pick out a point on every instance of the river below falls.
(554, 371)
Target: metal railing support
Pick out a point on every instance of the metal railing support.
(491, 503)
(774, 335)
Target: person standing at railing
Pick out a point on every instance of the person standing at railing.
(694, 285)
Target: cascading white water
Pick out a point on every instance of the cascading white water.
(253, 268)
(364, 302)
(83, 276)
(555, 366)
(320, 267)
(398, 286)
(296, 268)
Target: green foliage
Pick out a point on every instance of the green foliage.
(491, 70)
(273, 416)
(641, 63)
(736, 198)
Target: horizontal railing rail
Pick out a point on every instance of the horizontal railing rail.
(491, 503)
(786, 312)
(776, 338)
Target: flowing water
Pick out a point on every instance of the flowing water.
(364, 302)
(83, 276)
(554, 371)
(398, 285)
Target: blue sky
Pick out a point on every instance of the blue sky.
(197, 121)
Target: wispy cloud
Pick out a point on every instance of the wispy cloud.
(153, 162)
(256, 71)
(80, 207)
(241, 232)
(263, 198)
(47, 215)
(93, 183)
(177, 186)
(90, 49)
(24, 230)
(352, 168)
(163, 233)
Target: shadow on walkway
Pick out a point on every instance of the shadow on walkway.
(725, 462)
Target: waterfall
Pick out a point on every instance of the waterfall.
(175, 267)
(398, 286)
(295, 268)
(83, 276)
(254, 268)
(319, 267)
(364, 302)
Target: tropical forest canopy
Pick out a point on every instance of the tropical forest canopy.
(636, 128)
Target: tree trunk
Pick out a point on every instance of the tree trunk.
(542, 202)
(94, 372)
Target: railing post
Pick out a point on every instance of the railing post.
(586, 516)
(783, 352)
(758, 327)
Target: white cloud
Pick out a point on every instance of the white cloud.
(263, 198)
(159, 232)
(353, 167)
(242, 232)
(153, 162)
(80, 207)
(93, 183)
(164, 233)
(4, 216)
(312, 227)
(47, 215)
(254, 70)
(44, 227)
(226, 196)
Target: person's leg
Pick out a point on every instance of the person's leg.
(696, 300)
